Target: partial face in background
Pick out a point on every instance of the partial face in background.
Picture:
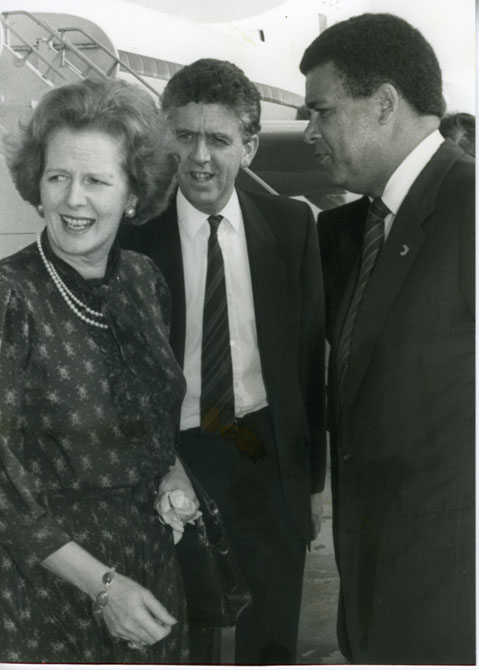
(343, 129)
(208, 141)
(84, 190)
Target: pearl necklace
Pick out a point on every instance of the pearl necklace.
(71, 300)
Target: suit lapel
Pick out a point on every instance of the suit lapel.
(390, 272)
(166, 245)
(397, 257)
(268, 280)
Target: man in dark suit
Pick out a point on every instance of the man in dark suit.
(267, 487)
(399, 282)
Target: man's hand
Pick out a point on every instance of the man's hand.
(316, 512)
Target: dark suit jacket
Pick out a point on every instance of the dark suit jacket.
(403, 444)
(288, 302)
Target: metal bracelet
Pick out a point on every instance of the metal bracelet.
(102, 597)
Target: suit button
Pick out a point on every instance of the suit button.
(346, 456)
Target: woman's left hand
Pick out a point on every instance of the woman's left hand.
(176, 502)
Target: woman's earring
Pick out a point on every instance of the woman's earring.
(130, 212)
(40, 210)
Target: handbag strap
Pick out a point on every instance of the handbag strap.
(210, 524)
(204, 499)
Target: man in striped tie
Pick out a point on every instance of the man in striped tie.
(399, 280)
(247, 326)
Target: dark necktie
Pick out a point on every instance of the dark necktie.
(372, 243)
(217, 397)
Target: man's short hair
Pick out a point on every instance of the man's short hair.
(219, 82)
(372, 49)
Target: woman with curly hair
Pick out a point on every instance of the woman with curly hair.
(90, 391)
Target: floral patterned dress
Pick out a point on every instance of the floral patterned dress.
(86, 434)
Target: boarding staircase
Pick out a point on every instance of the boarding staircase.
(49, 54)
(60, 53)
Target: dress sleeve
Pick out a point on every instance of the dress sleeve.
(26, 527)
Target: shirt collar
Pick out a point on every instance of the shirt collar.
(191, 220)
(407, 172)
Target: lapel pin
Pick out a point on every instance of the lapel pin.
(404, 250)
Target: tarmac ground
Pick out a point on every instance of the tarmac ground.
(317, 642)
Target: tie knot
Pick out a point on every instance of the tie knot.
(214, 220)
(378, 209)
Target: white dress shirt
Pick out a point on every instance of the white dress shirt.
(249, 389)
(406, 174)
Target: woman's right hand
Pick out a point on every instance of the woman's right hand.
(131, 613)
(134, 614)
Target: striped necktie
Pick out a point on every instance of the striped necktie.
(217, 396)
(372, 243)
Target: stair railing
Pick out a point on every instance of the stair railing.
(116, 61)
(29, 49)
(61, 46)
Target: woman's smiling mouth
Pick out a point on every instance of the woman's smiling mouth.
(76, 223)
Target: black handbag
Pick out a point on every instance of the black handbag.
(215, 590)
